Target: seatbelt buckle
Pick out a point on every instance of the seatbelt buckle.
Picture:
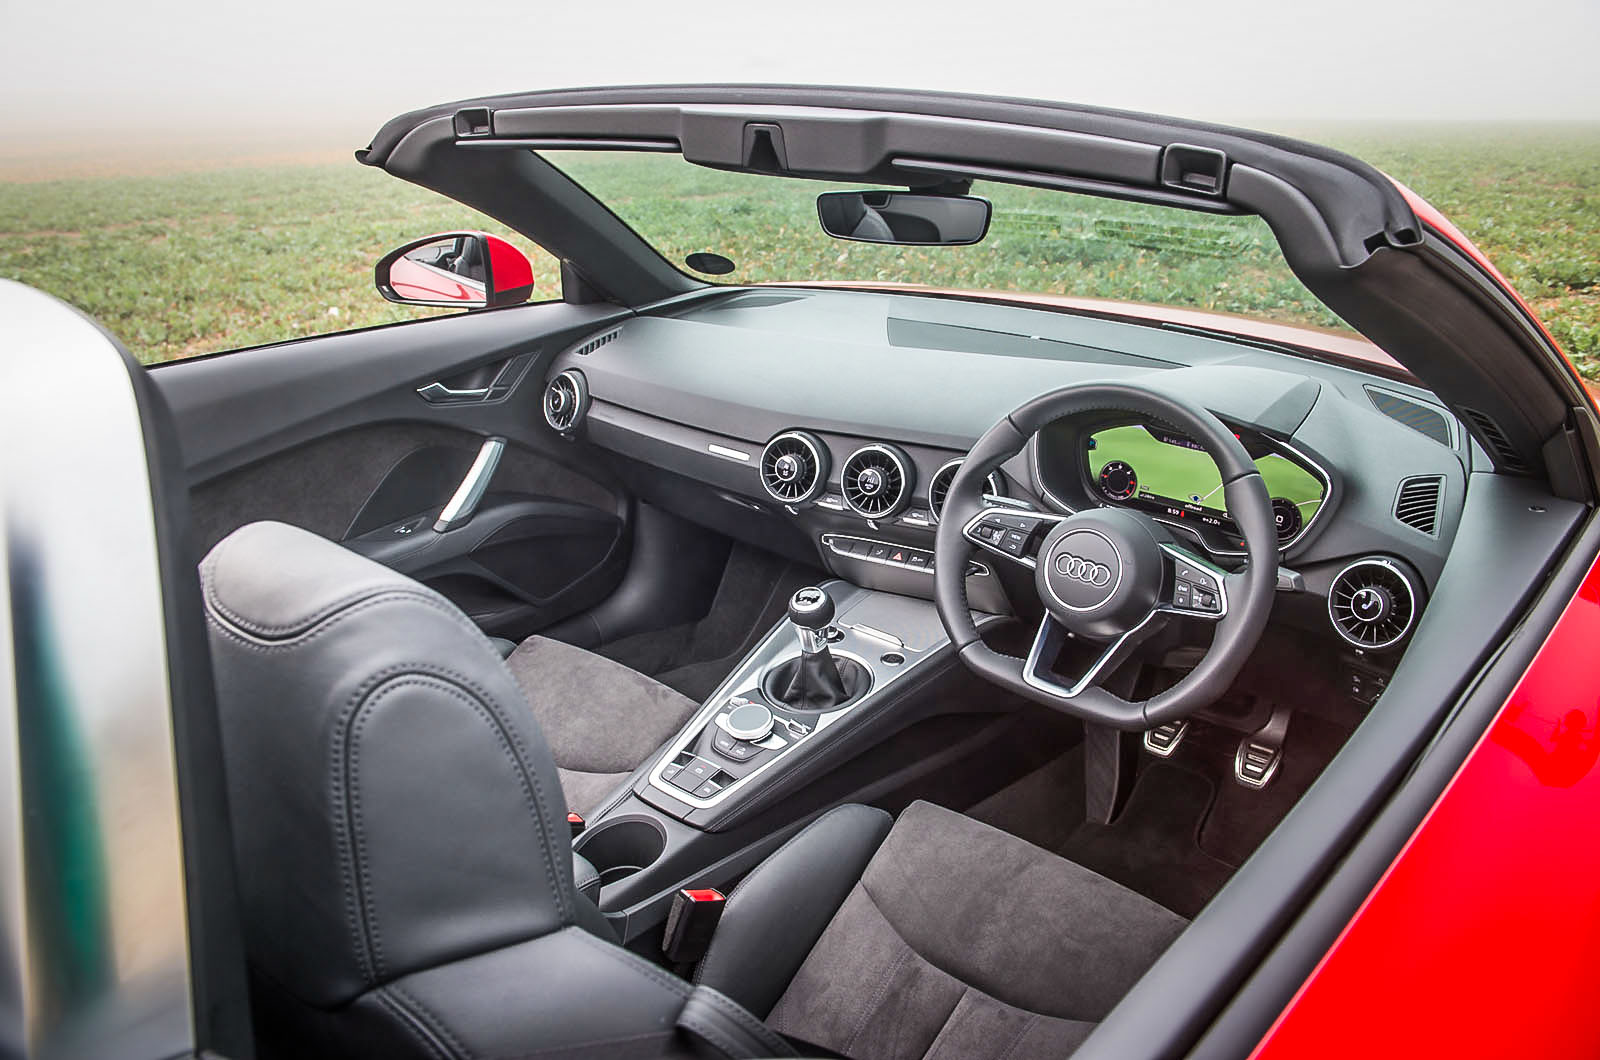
(691, 922)
(576, 822)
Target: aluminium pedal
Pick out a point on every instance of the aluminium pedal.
(1163, 740)
(1259, 755)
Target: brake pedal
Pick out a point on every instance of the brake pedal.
(1256, 761)
(1163, 740)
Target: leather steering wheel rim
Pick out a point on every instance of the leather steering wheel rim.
(1249, 591)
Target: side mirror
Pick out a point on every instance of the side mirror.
(459, 270)
(908, 218)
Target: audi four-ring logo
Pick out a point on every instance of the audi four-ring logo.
(1086, 571)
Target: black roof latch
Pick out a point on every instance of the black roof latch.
(763, 148)
(1195, 169)
(474, 122)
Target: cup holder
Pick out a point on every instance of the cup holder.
(618, 849)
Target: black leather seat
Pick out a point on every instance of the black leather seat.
(408, 885)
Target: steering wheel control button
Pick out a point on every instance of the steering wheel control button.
(749, 722)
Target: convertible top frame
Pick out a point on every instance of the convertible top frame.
(1348, 232)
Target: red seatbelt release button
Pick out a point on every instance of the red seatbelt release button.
(576, 822)
(691, 922)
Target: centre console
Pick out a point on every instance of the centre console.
(769, 723)
(823, 688)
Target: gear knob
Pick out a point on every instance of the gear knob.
(810, 611)
(811, 608)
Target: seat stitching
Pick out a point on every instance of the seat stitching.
(711, 1033)
(736, 1012)
(351, 783)
(389, 596)
(1027, 1025)
(932, 1050)
(433, 1021)
(409, 1020)
(672, 984)
(877, 995)
(355, 721)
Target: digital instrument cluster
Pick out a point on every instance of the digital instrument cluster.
(1157, 470)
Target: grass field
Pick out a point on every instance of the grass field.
(194, 262)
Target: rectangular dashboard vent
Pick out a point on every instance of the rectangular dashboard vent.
(595, 343)
(1424, 419)
(1417, 503)
(1494, 439)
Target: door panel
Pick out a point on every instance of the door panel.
(348, 437)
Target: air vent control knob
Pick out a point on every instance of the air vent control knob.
(787, 467)
(1371, 604)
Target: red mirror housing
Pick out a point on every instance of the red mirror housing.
(458, 270)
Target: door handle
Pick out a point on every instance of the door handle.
(472, 488)
(438, 393)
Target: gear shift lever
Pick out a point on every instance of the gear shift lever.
(810, 611)
(815, 680)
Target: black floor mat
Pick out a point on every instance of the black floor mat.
(1153, 845)
(1242, 817)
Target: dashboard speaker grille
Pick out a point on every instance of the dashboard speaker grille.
(1424, 419)
(876, 481)
(794, 467)
(1372, 604)
(1417, 503)
(939, 486)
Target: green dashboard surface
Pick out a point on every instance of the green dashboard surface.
(1189, 476)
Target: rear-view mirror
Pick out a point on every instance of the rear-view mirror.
(460, 270)
(907, 218)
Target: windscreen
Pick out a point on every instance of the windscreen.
(753, 228)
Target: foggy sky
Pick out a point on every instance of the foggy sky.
(313, 74)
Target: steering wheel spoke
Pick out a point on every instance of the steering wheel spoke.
(1053, 636)
(1192, 586)
(1012, 533)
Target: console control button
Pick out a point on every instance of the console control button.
(696, 773)
(737, 750)
(706, 790)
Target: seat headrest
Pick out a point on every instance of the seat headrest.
(394, 805)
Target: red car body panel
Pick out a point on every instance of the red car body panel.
(415, 279)
(1483, 937)
(509, 268)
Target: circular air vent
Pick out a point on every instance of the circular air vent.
(566, 399)
(1372, 604)
(939, 486)
(876, 480)
(794, 467)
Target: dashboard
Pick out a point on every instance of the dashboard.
(827, 425)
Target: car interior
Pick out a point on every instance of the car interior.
(973, 658)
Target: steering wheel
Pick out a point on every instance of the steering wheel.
(1108, 575)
